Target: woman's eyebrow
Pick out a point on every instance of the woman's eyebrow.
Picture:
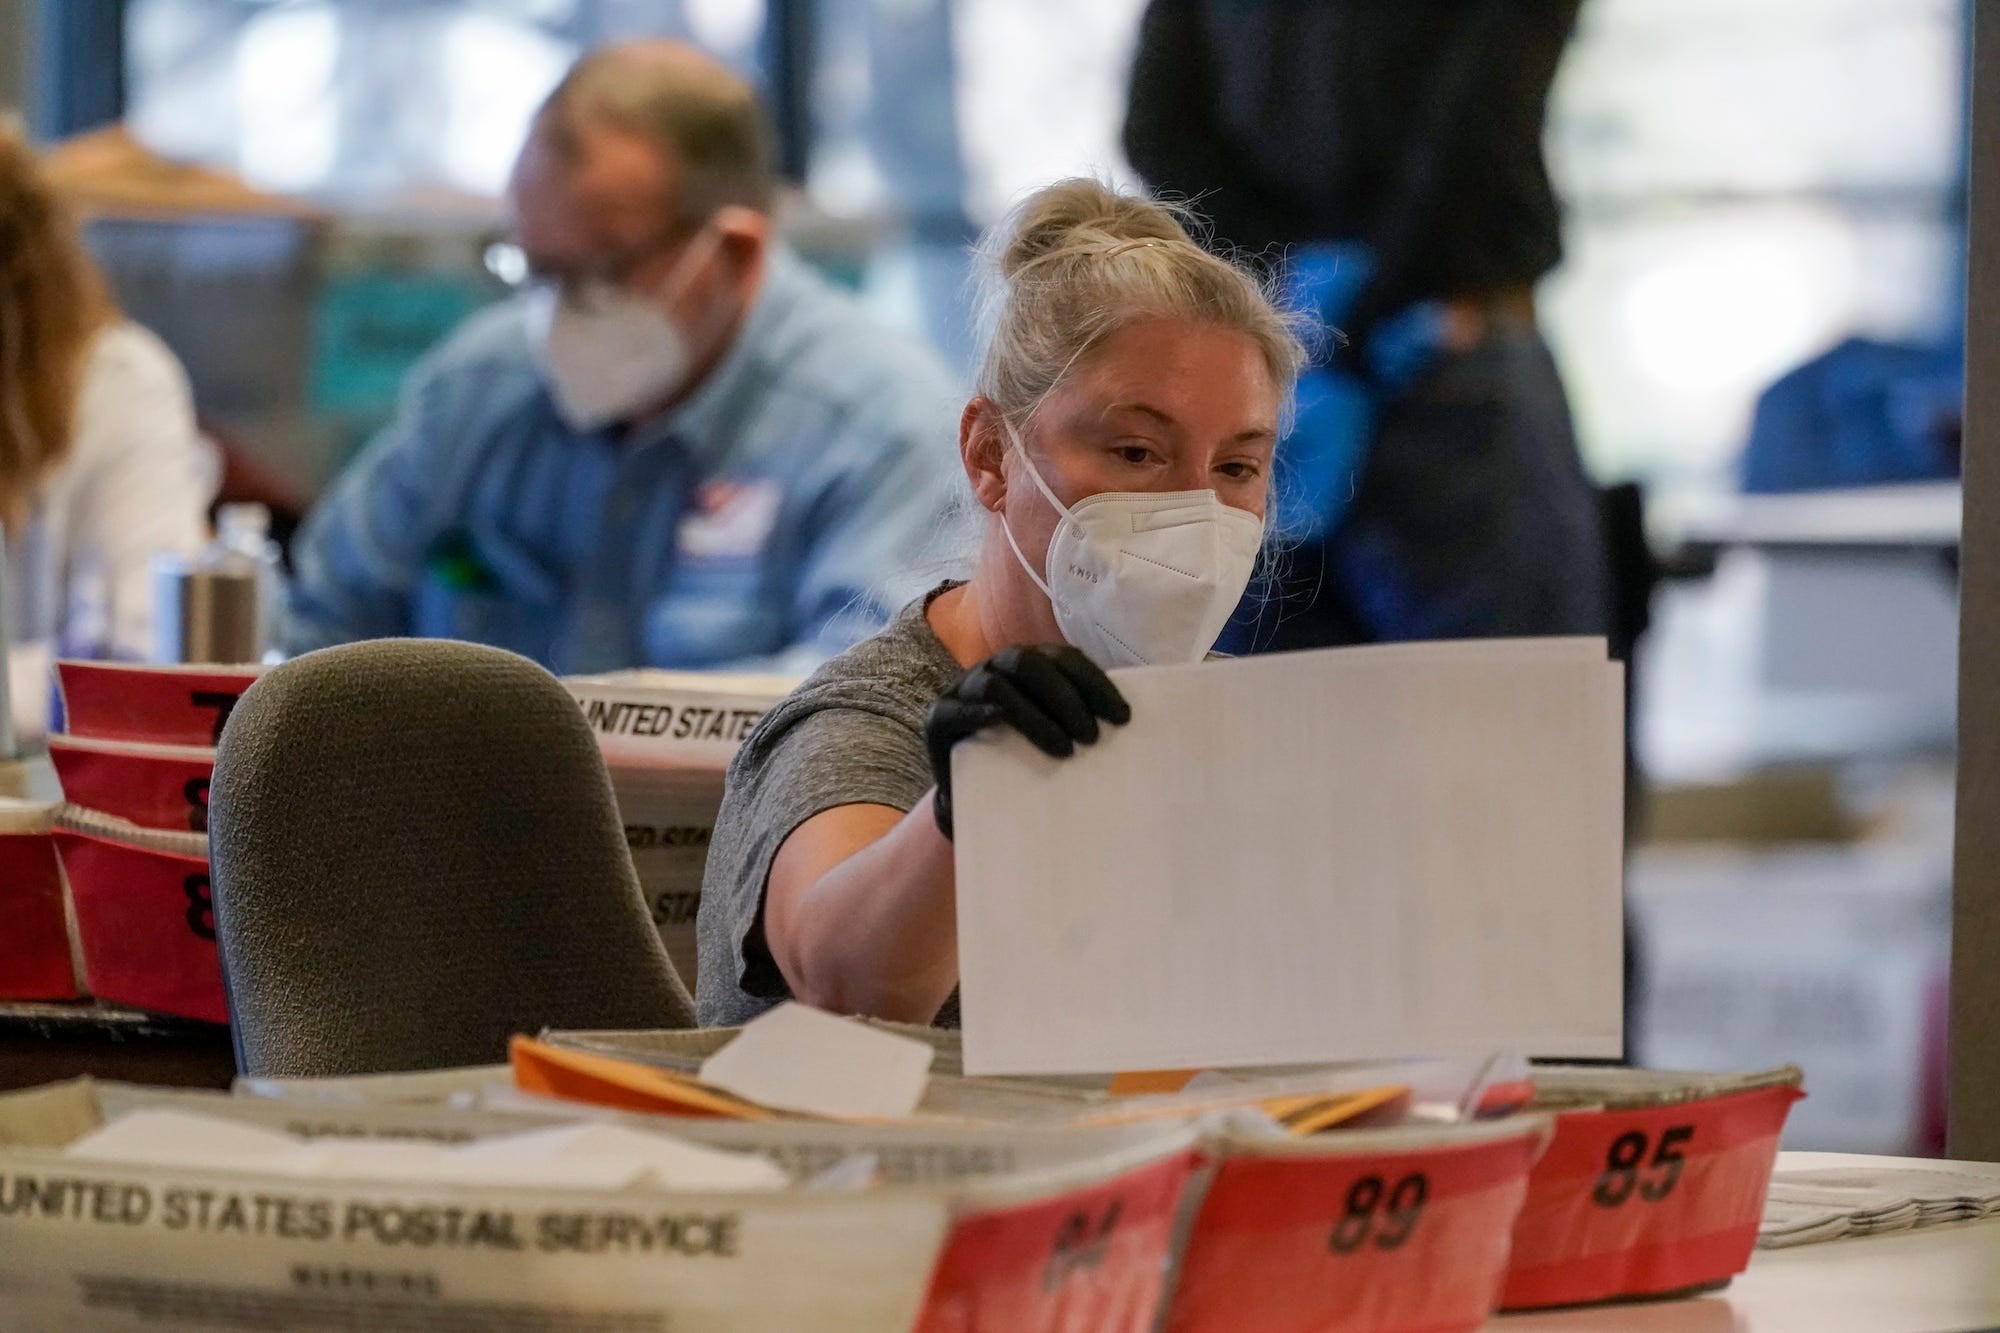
(1163, 417)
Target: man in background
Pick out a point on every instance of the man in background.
(1386, 157)
(678, 448)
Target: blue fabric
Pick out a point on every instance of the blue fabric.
(758, 526)
(1865, 413)
(1318, 466)
(1474, 517)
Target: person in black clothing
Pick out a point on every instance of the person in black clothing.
(1399, 141)
(1385, 157)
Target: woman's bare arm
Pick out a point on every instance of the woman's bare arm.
(859, 912)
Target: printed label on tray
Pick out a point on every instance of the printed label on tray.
(87, 1245)
(1089, 1259)
(695, 726)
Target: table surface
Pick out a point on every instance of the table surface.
(1922, 515)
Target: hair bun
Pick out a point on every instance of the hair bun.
(1083, 216)
(1076, 261)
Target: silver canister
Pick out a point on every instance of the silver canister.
(207, 612)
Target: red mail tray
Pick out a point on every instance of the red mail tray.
(163, 705)
(145, 924)
(1653, 1185)
(153, 786)
(36, 962)
(1399, 1230)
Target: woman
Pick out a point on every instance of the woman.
(100, 463)
(1120, 443)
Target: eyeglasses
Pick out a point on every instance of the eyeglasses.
(508, 262)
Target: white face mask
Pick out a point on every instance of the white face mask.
(1143, 578)
(611, 354)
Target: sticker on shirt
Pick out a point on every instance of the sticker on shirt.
(730, 519)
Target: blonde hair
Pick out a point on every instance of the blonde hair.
(1077, 260)
(53, 302)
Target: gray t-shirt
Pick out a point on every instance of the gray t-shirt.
(852, 734)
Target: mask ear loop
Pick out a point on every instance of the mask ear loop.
(674, 285)
(1014, 439)
(1026, 568)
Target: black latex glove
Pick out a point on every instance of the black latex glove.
(1052, 694)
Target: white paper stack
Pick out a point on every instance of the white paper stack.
(1410, 849)
(581, 1156)
(1826, 1196)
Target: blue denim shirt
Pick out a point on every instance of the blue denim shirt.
(760, 525)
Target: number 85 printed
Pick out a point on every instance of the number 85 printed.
(1626, 1168)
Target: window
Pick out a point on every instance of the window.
(1745, 185)
(375, 103)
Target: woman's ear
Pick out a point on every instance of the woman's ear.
(982, 447)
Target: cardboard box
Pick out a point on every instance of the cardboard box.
(1782, 805)
(669, 817)
(1824, 956)
(668, 737)
(678, 720)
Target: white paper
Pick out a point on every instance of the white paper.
(29, 689)
(184, 1139)
(567, 1156)
(1824, 1196)
(1336, 855)
(796, 1058)
(584, 1156)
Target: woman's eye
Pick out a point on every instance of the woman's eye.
(1241, 471)
(1134, 453)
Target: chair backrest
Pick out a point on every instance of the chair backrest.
(416, 854)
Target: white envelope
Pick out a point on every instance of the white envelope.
(1334, 855)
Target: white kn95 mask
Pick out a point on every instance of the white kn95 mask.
(610, 354)
(1143, 578)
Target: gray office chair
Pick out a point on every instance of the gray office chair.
(416, 854)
